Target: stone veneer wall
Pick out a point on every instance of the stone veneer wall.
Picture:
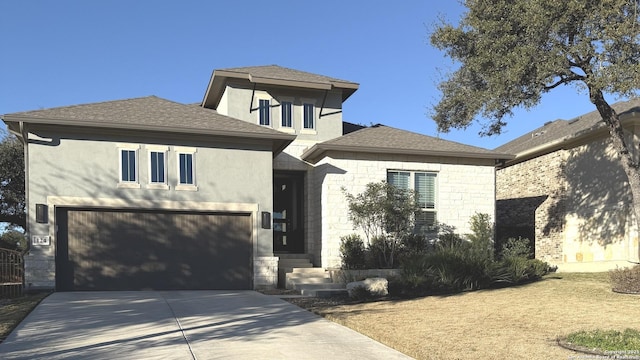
(532, 194)
(40, 268)
(265, 272)
(462, 190)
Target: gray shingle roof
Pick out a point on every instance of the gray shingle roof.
(388, 140)
(273, 75)
(149, 114)
(558, 130)
(282, 73)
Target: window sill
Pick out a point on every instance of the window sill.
(128, 185)
(185, 187)
(287, 130)
(158, 186)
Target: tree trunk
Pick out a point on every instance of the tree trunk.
(629, 163)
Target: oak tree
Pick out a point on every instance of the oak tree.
(511, 52)
(12, 187)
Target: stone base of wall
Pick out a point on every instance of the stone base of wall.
(592, 266)
(39, 272)
(346, 276)
(265, 272)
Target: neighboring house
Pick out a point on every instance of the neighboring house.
(566, 190)
(151, 194)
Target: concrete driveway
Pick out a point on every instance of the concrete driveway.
(182, 325)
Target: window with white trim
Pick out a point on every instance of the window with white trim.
(186, 161)
(128, 166)
(308, 120)
(157, 166)
(424, 184)
(264, 112)
(286, 114)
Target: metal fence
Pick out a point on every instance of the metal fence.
(11, 273)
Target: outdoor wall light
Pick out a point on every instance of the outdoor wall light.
(266, 220)
(41, 213)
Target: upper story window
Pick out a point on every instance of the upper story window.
(128, 161)
(186, 169)
(264, 111)
(286, 108)
(308, 115)
(157, 166)
(128, 165)
(424, 184)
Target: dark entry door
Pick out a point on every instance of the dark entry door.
(288, 228)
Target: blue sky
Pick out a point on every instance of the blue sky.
(58, 53)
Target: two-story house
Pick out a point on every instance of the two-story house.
(148, 193)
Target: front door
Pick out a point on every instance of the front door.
(288, 229)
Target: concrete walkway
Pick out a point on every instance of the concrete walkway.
(182, 325)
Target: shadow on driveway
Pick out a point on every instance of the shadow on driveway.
(182, 325)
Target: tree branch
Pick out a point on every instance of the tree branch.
(563, 80)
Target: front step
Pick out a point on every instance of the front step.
(295, 280)
(296, 272)
(289, 263)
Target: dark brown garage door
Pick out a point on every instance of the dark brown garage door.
(152, 250)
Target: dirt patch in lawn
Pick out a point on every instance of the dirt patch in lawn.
(12, 311)
(512, 323)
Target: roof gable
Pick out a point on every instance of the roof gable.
(388, 140)
(273, 75)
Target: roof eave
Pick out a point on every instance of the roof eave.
(213, 95)
(315, 153)
(632, 118)
(164, 129)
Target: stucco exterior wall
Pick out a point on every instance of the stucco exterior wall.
(598, 223)
(237, 102)
(83, 169)
(577, 201)
(463, 188)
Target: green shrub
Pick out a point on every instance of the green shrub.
(454, 264)
(414, 271)
(626, 280)
(481, 236)
(518, 270)
(516, 247)
(385, 214)
(352, 252)
(415, 244)
(450, 241)
(382, 253)
(451, 270)
(13, 240)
